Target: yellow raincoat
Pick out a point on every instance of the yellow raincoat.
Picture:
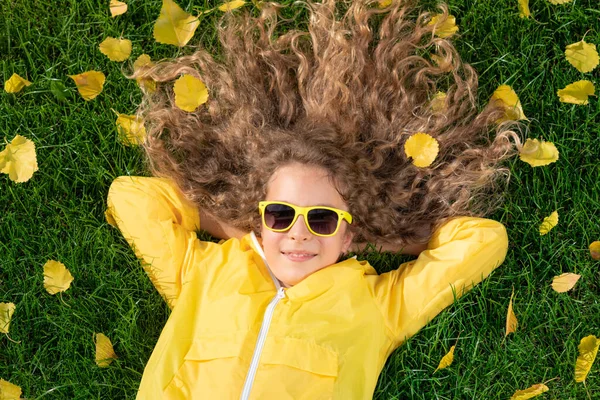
(235, 333)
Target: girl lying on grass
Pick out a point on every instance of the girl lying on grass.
(296, 159)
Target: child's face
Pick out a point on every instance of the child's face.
(296, 253)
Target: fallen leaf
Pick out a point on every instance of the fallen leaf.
(131, 129)
(231, 5)
(549, 222)
(116, 49)
(506, 97)
(588, 349)
(511, 318)
(423, 149)
(446, 360)
(564, 282)
(582, 56)
(57, 277)
(577, 92)
(89, 84)
(117, 8)
(174, 26)
(530, 392)
(190, 93)
(384, 3)
(8, 391)
(19, 160)
(560, 1)
(538, 153)
(524, 9)
(15, 84)
(6, 312)
(595, 250)
(438, 102)
(445, 28)
(105, 353)
(143, 61)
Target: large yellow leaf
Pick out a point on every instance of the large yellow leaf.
(595, 250)
(511, 318)
(549, 222)
(6, 312)
(143, 61)
(506, 97)
(560, 1)
(446, 360)
(89, 84)
(15, 84)
(131, 129)
(588, 349)
(116, 49)
(8, 391)
(582, 56)
(105, 353)
(57, 277)
(422, 148)
(190, 92)
(538, 153)
(19, 160)
(117, 8)
(231, 5)
(445, 28)
(530, 392)
(438, 102)
(524, 9)
(174, 26)
(564, 282)
(577, 92)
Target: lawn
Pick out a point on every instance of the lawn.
(59, 213)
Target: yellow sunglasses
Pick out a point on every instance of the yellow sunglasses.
(320, 221)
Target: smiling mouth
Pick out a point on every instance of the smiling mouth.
(298, 256)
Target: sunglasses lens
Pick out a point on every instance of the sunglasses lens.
(279, 216)
(323, 222)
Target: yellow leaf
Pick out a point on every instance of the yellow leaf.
(524, 9)
(422, 148)
(15, 84)
(511, 318)
(538, 153)
(143, 61)
(549, 222)
(447, 359)
(595, 250)
(89, 84)
(19, 160)
(384, 3)
(57, 277)
(582, 56)
(231, 5)
(445, 28)
(560, 1)
(6, 312)
(438, 102)
(588, 349)
(190, 92)
(117, 8)
(131, 129)
(506, 97)
(8, 391)
(105, 353)
(564, 282)
(116, 49)
(577, 92)
(530, 392)
(174, 26)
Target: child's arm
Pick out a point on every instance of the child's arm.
(159, 224)
(459, 255)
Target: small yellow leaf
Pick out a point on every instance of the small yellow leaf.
(143, 61)
(577, 92)
(231, 5)
(582, 56)
(117, 8)
(6, 312)
(538, 153)
(530, 392)
(8, 391)
(588, 349)
(57, 277)
(447, 359)
(445, 28)
(560, 1)
(511, 318)
(131, 129)
(595, 250)
(15, 84)
(190, 92)
(524, 9)
(549, 222)
(506, 97)
(116, 49)
(19, 160)
(564, 282)
(105, 353)
(422, 148)
(89, 84)
(174, 26)
(438, 102)
(384, 3)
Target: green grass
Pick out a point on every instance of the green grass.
(58, 214)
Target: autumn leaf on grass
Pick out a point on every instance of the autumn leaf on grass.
(190, 92)
(57, 277)
(116, 49)
(511, 318)
(117, 8)
(560, 1)
(143, 61)
(445, 28)
(530, 392)
(577, 92)
(422, 148)
(105, 353)
(6, 312)
(131, 129)
(8, 391)
(447, 359)
(524, 9)
(15, 84)
(549, 222)
(19, 160)
(506, 97)
(538, 153)
(588, 349)
(438, 102)
(595, 250)
(174, 26)
(89, 84)
(384, 3)
(564, 282)
(582, 56)
(231, 5)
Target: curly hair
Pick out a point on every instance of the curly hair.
(337, 97)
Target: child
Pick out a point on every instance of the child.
(294, 169)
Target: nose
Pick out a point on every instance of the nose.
(299, 231)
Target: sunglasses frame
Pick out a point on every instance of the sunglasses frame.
(342, 215)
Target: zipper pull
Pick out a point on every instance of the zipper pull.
(281, 293)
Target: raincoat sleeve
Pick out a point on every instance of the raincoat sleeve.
(460, 254)
(159, 224)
